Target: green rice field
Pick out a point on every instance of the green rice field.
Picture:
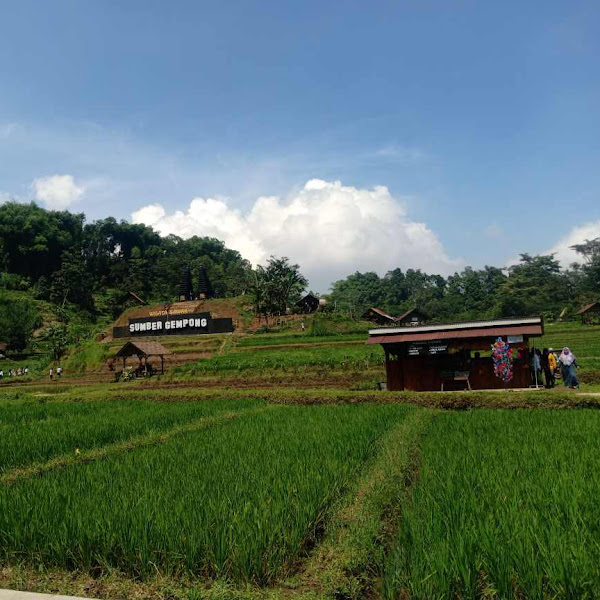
(36, 430)
(505, 506)
(239, 500)
(222, 481)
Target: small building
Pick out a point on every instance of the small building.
(309, 304)
(590, 313)
(143, 350)
(412, 317)
(378, 316)
(450, 356)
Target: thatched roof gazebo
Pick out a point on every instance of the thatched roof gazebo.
(143, 350)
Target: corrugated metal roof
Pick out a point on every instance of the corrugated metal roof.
(476, 332)
(457, 326)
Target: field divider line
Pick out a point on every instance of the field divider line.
(349, 559)
(147, 439)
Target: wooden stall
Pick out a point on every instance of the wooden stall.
(450, 356)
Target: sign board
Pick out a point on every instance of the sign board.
(171, 324)
(427, 348)
(514, 339)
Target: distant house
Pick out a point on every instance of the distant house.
(308, 304)
(378, 316)
(590, 313)
(412, 317)
(3, 347)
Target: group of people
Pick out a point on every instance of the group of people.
(59, 372)
(15, 372)
(551, 363)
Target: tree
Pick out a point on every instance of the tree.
(18, 320)
(533, 286)
(590, 249)
(276, 287)
(57, 337)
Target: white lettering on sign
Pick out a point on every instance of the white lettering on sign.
(514, 339)
(143, 326)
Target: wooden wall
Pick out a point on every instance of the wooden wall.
(424, 373)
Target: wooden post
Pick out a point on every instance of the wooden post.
(162, 364)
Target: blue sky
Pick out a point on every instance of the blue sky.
(481, 119)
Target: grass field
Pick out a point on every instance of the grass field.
(329, 357)
(240, 500)
(505, 506)
(36, 430)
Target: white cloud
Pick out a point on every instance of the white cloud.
(329, 229)
(57, 191)
(577, 235)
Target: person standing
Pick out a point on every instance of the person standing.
(51, 373)
(568, 364)
(536, 367)
(548, 370)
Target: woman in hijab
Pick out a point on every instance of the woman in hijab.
(568, 363)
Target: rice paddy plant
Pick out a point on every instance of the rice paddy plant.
(297, 338)
(505, 506)
(36, 431)
(330, 357)
(238, 501)
(584, 340)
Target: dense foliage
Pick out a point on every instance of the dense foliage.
(94, 266)
(91, 268)
(18, 320)
(535, 285)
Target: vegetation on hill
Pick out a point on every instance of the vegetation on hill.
(536, 285)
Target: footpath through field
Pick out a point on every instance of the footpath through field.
(13, 595)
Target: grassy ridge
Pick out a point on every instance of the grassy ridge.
(236, 501)
(504, 507)
(36, 431)
(584, 340)
(317, 357)
(257, 341)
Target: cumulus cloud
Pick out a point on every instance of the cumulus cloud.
(577, 235)
(331, 230)
(57, 192)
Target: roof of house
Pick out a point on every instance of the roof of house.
(587, 307)
(144, 348)
(531, 326)
(380, 313)
(306, 298)
(410, 312)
